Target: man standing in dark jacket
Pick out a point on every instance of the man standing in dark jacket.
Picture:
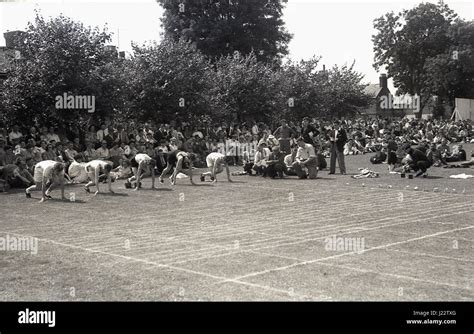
(338, 139)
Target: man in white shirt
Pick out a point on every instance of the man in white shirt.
(93, 169)
(102, 132)
(103, 152)
(260, 160)
(47, 174)
(215, 162)
(305, 159)
(15, 135)
(52, 136)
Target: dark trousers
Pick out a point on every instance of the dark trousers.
(420, 166)
(276, 169)
(248, 168)
(261, 170)
(339, 155)
(312, 168)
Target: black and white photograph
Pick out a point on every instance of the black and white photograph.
(193, 152)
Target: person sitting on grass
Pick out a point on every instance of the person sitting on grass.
(305, 159)
(435, 156)
(260, 160)
(216, 162)
(17, 175)
(458, 154)
(47, 175)
(276, 163)
(289, 160)
(379, 157)
(123, 171)
(470, 162)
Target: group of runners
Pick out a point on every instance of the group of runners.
(49, 174)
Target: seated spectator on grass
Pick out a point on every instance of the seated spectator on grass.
(103, 153)
(470, 162)
(117, 154)
(33, 152)
(90, 152)
(17, 175)
(130, 150)
(77, 146)
(15, 136)
(70, 152)
(123, 171)
(435, 157)
(444, 149)
(306, 164)
(260, 160)
(275, 163)
(458, 154)
(51, 135)
(50, 153)
(379, 157)
(290, 159)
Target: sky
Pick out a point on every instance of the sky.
(338, 31)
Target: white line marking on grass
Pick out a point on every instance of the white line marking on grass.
(214, 277)
(429, 255)
(397, 276)
(346, 254)
(342, 232)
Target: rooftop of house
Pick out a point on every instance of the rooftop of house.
(373, 90)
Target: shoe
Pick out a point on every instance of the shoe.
(161, 179)
(87, 190)
(330, 173)
(212, 178)
(28, 195)
(47, 196)
(128, 185)
(203, 178)
(419, 174)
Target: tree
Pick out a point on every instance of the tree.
(303, 89)
(60, 56)
(222, 27)
(169, 80)
(405, 43)
(244, 87)
(451, 73)
(344, 92)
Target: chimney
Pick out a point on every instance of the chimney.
(383, 80)
(14, 38)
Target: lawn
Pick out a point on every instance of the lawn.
(254, 239)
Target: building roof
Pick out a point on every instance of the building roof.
(372, 90)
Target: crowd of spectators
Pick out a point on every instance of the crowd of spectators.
(22, 147)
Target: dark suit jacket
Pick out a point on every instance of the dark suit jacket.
(341, 139)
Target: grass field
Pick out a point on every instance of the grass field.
(255, 239)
